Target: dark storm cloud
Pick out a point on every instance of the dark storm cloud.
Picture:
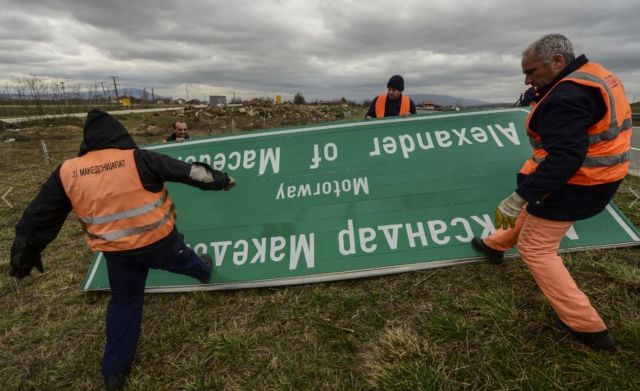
(321, 48)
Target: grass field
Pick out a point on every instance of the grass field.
(471, 327)
(11, 109)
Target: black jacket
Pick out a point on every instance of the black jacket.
(43, 218)
(391, 107)
(173, 136)
(561, 120)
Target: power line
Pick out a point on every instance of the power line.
(105, 93)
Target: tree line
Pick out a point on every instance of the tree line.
(40, 95)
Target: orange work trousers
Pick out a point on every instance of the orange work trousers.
(538, 241)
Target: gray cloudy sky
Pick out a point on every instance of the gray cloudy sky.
(323, 49)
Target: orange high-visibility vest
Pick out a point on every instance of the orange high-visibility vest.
(405, 106)
(109, 200)
(607, 158)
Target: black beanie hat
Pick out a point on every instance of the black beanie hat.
(396, 82)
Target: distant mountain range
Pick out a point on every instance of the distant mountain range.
(442, 100)
(137, 93)
(446, 100)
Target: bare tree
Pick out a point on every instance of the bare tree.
(93, 96)
(57, 93)
(298, 99)
(106, 93)
(5, 96)
(36, 87)
(74, 91)
(31, 88)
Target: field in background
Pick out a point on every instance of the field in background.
(19, 109)
(472, 327)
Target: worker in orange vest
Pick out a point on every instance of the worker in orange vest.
(393, 103)
(118, 194)
(580, 130)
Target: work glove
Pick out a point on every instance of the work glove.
(231, 184)
(222, 181)
(214, 179)
(508, 210)
(23, 259)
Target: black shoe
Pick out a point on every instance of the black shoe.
(206, 258)
(496, 257)
(600, 340)
(115, 382)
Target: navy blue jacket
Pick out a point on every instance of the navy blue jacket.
(391, 107)
(561, 120)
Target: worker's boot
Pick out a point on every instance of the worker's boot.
(494, 256)
(115, 382)
(600, 340)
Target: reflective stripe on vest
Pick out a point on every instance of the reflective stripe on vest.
(115, 235)
(405, 106)
(609, 139)
(598, 161)
(607, 135)
(127, 213)
(114, 209)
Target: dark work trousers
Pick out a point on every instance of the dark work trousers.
(127, 276)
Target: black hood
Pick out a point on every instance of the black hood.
(102, 131)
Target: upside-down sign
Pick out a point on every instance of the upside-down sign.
(354, 199)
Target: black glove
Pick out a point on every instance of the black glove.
(24, 258)
(221, 180)
(231, 184)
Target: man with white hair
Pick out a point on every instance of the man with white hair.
(580, 130)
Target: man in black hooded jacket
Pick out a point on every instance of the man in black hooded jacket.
(117, 193)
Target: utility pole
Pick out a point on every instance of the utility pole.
(64, 95)
(187, 88)
(115, 86)
(105, 93)
(153, 95)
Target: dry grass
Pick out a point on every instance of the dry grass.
(473, 327)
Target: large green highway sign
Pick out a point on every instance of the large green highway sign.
(354, 199)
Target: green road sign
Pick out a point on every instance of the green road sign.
(354, 199)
